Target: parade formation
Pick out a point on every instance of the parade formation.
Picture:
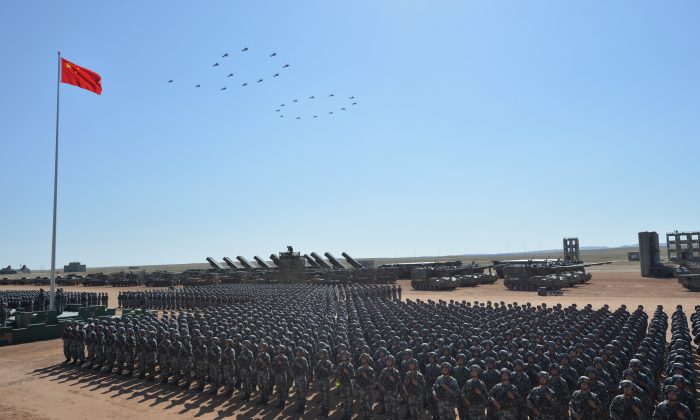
(296, 343)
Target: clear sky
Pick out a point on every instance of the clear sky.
(480, 126)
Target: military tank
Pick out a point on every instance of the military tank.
(688, 275)
(551, 275)
(432, 278)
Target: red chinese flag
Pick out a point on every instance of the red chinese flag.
(81, 77)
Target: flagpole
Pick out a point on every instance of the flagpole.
(52, 298)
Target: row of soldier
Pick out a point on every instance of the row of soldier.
(421, 357)
(191, 297)
(38, 300)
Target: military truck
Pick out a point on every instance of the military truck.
(432, 278)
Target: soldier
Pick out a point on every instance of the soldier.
(390, 385)
(200, 356)
(80, 344)
(461, 374)
(345, 372)
(120, 350)
(446, 392)
(561, 392)
(475, 395)
(280, 372)
(175, 352)
(584, 404)
(164, 359)
(141, 349)
(3, 313)
(365, 381)
(504, 397)
(262, 373)
(228, 366)
(214, 361)
(90, 338)
(626, 406)
(300, 373)
(186, 357)
(244, 367)
(151, 355)
(66, 337)
(322, 372)
(540, 402)
(521, 381)
(432, 372)
(671, 407)
(414, 390)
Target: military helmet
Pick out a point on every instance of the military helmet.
(476, 368)
(390, 358)
(626, 383)
(505, 371)
(543, 374)
(583, 379)
(670, 388)
(635, 363)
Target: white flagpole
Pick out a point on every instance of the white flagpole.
(52, 298)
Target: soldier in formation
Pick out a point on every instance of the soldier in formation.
(479, 360)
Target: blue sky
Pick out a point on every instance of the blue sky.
(480, 126)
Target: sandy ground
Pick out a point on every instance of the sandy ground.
(37, 386)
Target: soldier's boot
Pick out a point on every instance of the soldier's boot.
(229, 392)
(200, 388)
(262, 400)
(80, 363)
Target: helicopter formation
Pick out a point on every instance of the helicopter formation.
(340, 107)
(229, 75)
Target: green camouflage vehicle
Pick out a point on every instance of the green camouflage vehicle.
(428, 278)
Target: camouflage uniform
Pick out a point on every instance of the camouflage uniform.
(214, 361)
(623, 408)
(365, 381)
(414, 389)
(580, 405)
(186, 361)
(280, 368)
(200, 355)
(476, 396)
(164, 360)
(228, 366)
(244, 368)
(151, 351)
(389, 383)
(141, 350)
(262, 373)
(322, 373)
(345, 372)
(175, 353)
(540, 403)
(446, 391)
(504, 397)
(300, 372)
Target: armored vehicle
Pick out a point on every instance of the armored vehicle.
(554, 275)
(688, 275)
(431, 278)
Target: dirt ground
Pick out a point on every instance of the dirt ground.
(37, 386)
